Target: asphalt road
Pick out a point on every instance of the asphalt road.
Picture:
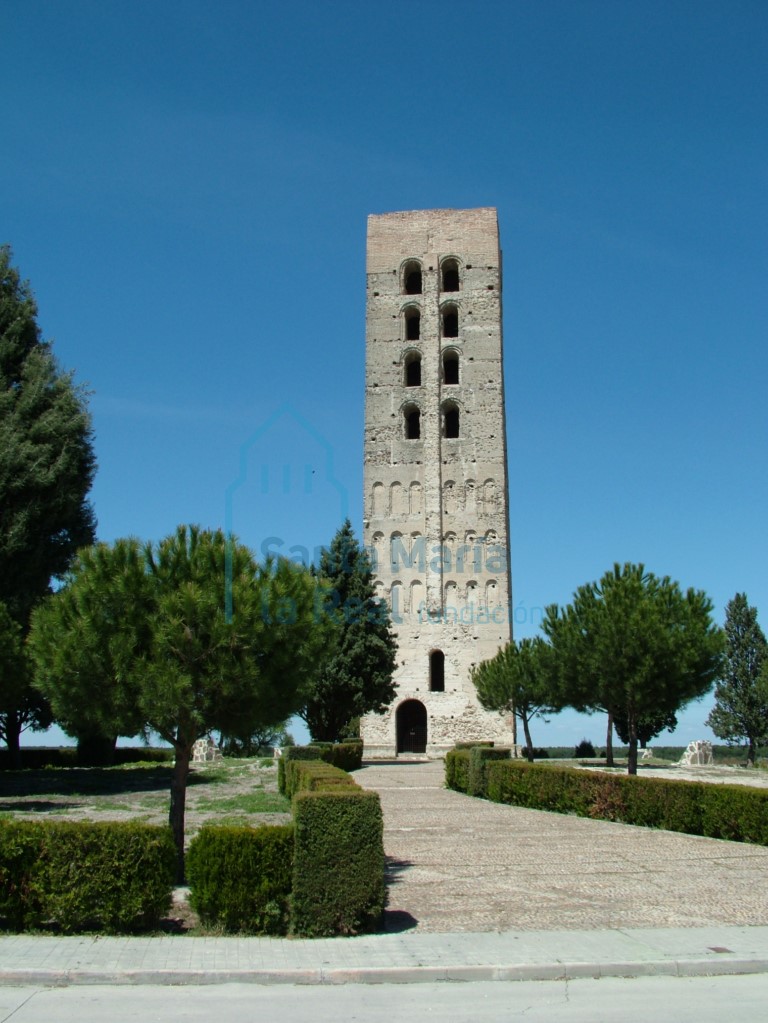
(581, 1001)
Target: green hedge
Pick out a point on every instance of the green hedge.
(240, 878)
(35, 758)
(347, 756)
(457, 769)
(112, 877)
(291, 753)
(733, 812)
(479, 757)
(338, 871)
(311, 775)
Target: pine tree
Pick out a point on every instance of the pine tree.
(634, 645)
(355, 676)
(518, 680)
(140, 637)
(740, 713)
(46, 469)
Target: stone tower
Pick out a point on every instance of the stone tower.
(435, 472)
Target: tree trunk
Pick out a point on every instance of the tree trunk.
(609, 741)
(178, 804)
(632, 756)
(751, 753)
(13, 739)
(528, 743)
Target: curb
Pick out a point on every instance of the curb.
(386, 974)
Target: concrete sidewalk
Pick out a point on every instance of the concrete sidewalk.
(389, 958)
(481, 892)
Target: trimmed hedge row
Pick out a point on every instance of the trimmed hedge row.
(733, 812)
(36, 758)
(322, 876)
(112, 877)
(241, 878)
(347, 756)
(338, 869)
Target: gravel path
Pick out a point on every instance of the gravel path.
(463, 864)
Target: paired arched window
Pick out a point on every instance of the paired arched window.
(413, 369)
(437, 671)
(450, 366)
(412, 316)
(449, 275)
(412, 277)
(450, 420)
(412, 422)
(449, 320)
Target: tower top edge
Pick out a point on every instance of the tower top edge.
(447, 213)
(422, 233)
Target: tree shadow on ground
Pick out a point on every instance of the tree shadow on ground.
(398, 920)
(393, 868)
(94, 781)
(37, 806)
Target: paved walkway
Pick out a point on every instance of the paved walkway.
(464, 864)
(479, 892)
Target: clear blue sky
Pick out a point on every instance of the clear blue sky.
(186, 187)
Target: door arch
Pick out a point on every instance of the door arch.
(411, 725)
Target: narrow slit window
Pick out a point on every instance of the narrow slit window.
(437, 671)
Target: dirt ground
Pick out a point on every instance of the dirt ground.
(717, 774)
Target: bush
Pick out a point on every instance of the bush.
(584, 749)
(338, 869)
(537, 752)
(115, 877)
(346, 755)
(457, 769)
(732, 812)
(290, 754)
(471, 745)
(479, 756)
(313, 775)
(240, 878)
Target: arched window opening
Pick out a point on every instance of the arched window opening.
(450, 271)
(450, 320)
(412, 324)
(412, 423)
(412, 278)
(450, 421)
(413, 369)
(437, 671)
(450, 367)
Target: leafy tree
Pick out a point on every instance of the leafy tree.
(740, 713)
(195, 668)
(46, 469)
(518, 681)
(647, 727)
(85, 641)
(262, 741)
(635, 645)
(355, 675)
